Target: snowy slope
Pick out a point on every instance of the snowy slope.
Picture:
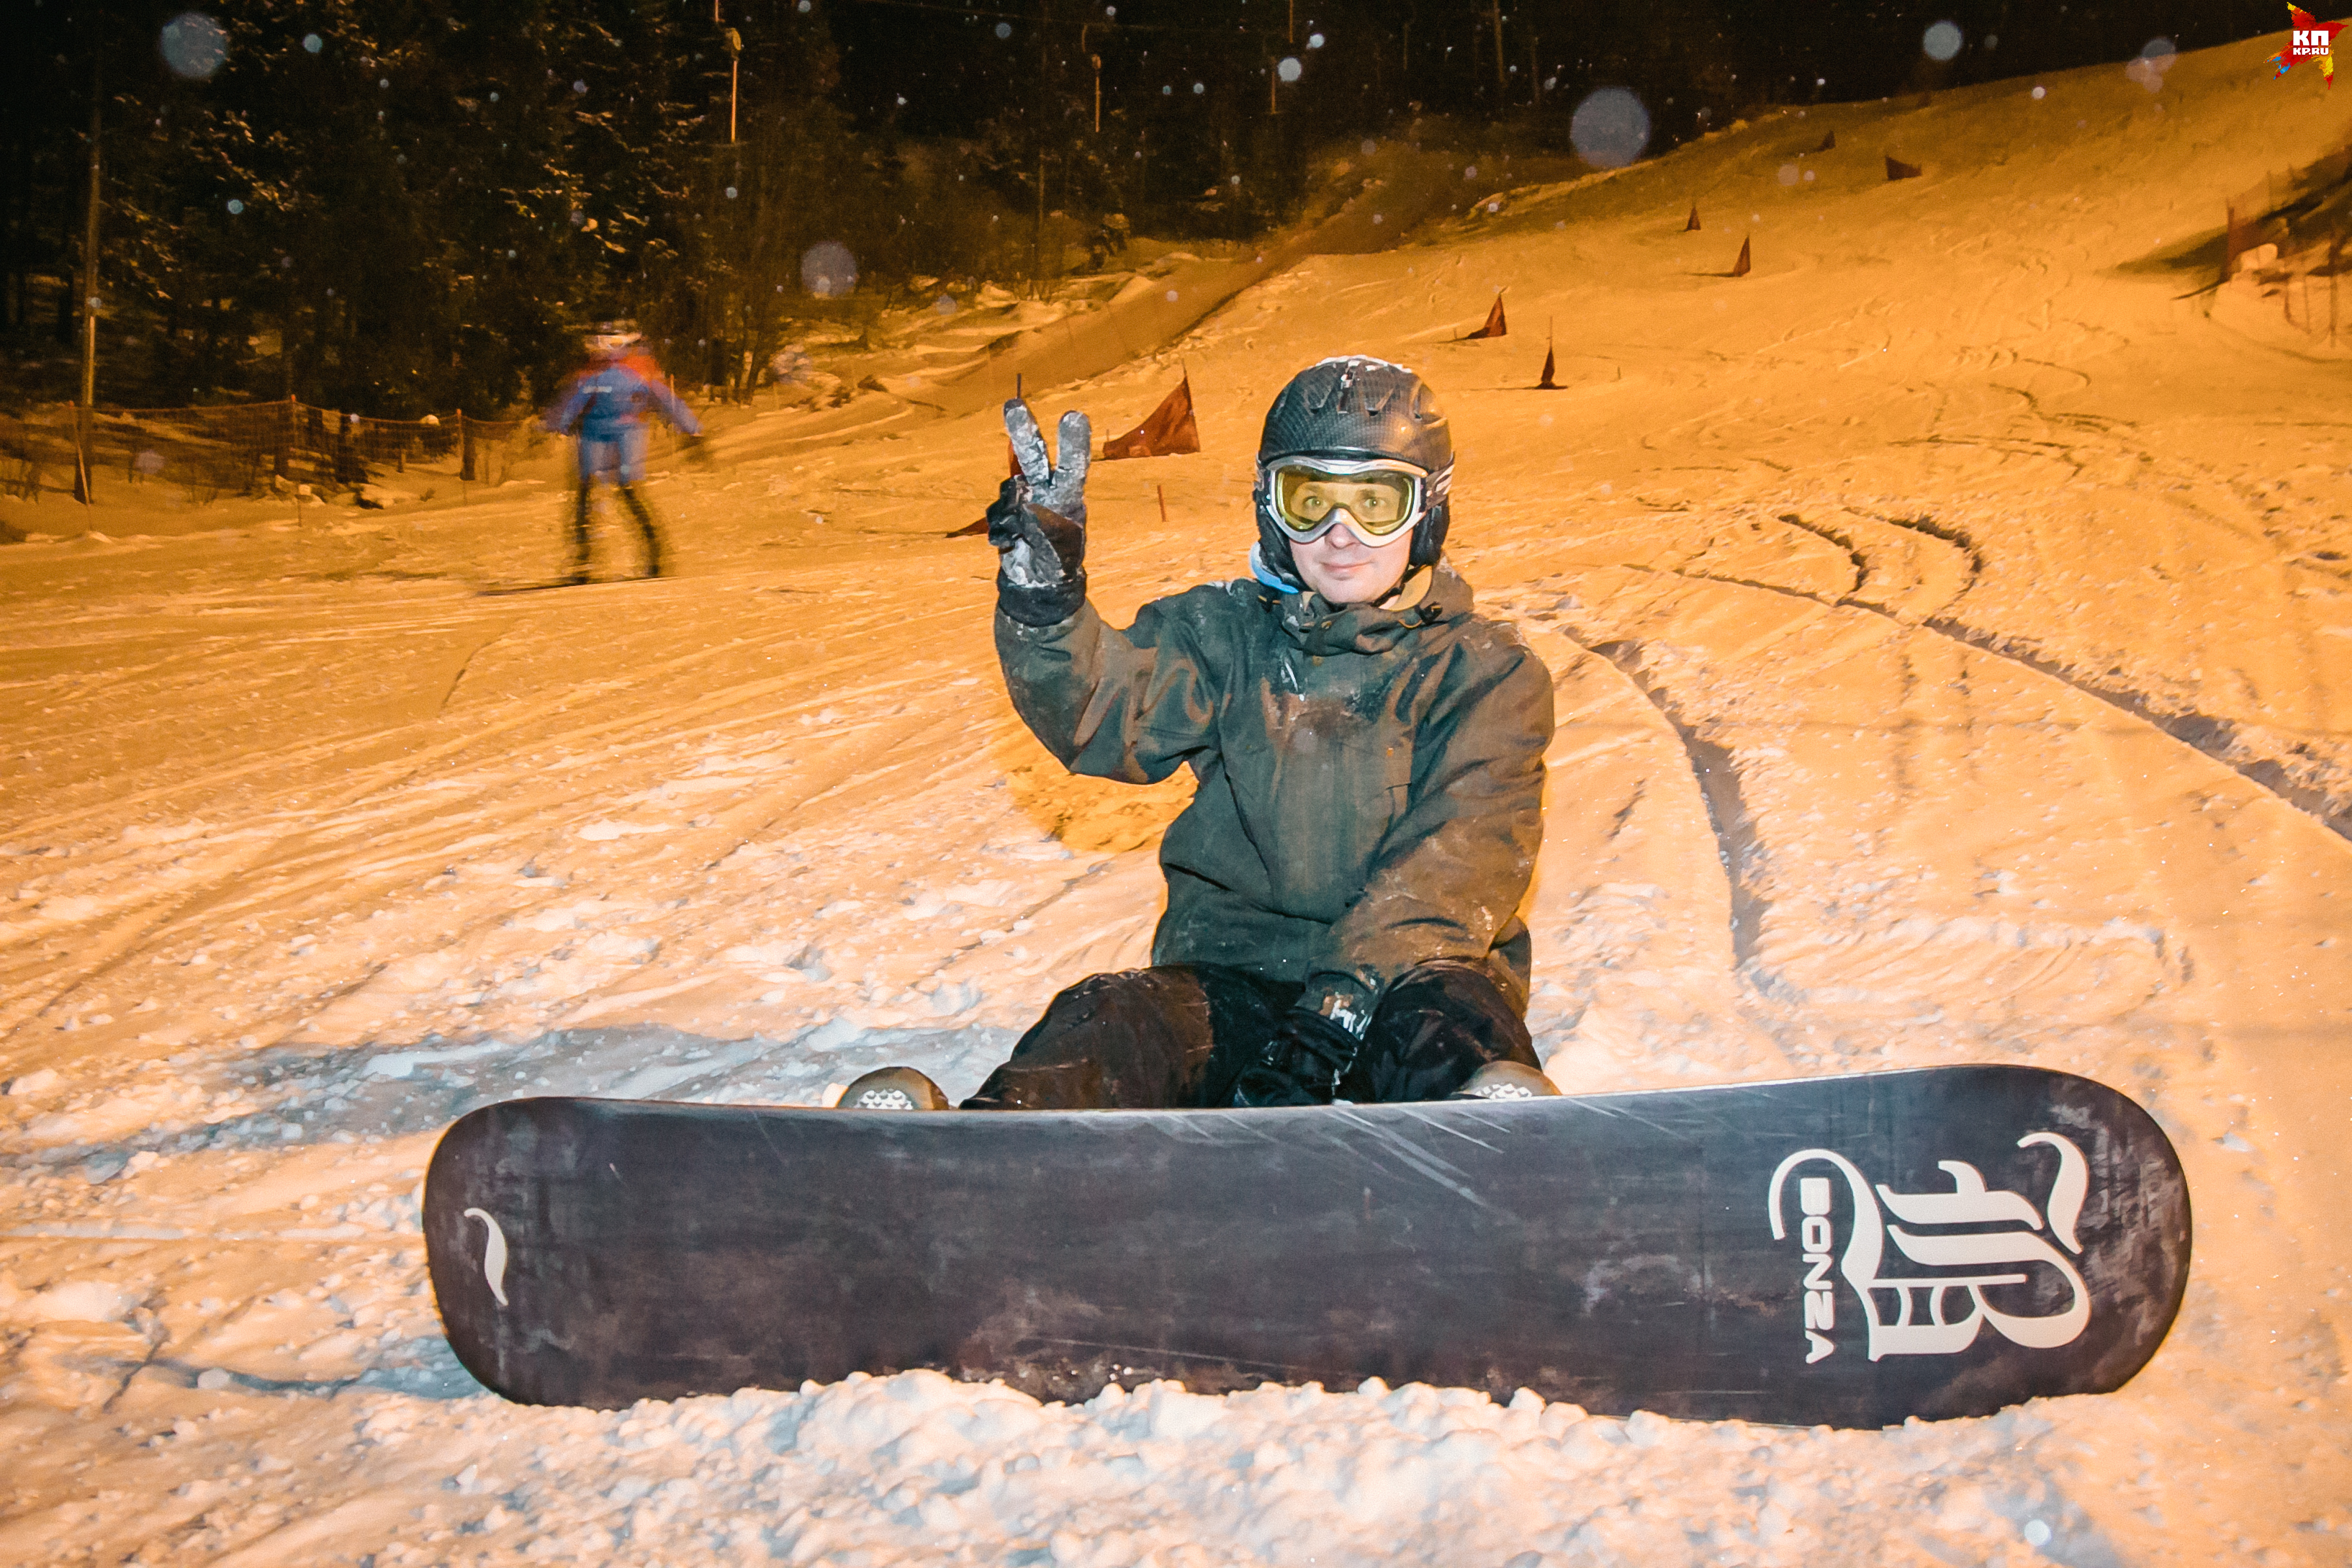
(1953, 635)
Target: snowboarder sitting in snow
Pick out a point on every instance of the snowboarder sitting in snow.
(605, 402)
(1342, 891)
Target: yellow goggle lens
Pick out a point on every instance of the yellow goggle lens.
(1376, 503)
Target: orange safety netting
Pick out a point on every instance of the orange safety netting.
(250, 448)
(2300, 210)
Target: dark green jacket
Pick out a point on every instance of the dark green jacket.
(1371, 781)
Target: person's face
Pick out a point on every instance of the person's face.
(1347, 570)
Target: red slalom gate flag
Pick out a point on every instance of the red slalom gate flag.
(1694, 219)
(1495, 326)
(1546, 384)
(1167, 430)
(1739, 268)
(1896, 169)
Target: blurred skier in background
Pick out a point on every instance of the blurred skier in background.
(605, 403)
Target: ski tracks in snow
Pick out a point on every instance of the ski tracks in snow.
(676, 767)
(1908, 573)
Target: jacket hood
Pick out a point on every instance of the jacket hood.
(1321, 627)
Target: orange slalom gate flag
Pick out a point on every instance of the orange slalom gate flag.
(1495, 326)
(1165, 431)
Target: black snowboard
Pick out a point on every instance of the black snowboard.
(1849, 1250)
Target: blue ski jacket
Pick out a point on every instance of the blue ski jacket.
(606, 401)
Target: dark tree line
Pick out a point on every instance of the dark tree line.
(408, 204)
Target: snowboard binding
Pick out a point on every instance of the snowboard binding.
(1506, 1081)
(894, 1088)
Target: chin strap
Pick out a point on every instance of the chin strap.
(1410, 590)
(1265, 575)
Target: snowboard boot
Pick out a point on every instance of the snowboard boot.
(1506, 1081)
(893, 1089)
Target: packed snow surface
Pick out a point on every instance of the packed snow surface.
(1952, 622)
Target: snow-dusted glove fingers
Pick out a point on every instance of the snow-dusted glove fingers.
(1302, 1065)
(1038, 523)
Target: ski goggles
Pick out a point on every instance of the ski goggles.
(1380, 497)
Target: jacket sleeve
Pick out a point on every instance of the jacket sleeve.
(1452, 869)
(670, 404)
(565, 414)
(1130, 705)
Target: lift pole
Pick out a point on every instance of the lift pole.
(85, 417)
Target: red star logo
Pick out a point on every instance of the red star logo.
(2311, 40)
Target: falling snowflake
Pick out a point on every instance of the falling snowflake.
(828, 270)
(193, 45)
(1610, 128)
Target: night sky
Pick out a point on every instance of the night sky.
(409, 206)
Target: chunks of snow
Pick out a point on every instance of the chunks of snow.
(400, 1064)
(603, 832)
(79, 1302)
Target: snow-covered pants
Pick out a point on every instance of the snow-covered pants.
(1177, 1034)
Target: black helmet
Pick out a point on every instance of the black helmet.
(1353, 406)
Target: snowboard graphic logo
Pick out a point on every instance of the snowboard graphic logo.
(494, 1254)
(1910, 1311)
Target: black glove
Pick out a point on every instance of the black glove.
(1039, 521)
(1302, 1065)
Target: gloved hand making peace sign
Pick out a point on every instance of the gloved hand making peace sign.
(1039, 521)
